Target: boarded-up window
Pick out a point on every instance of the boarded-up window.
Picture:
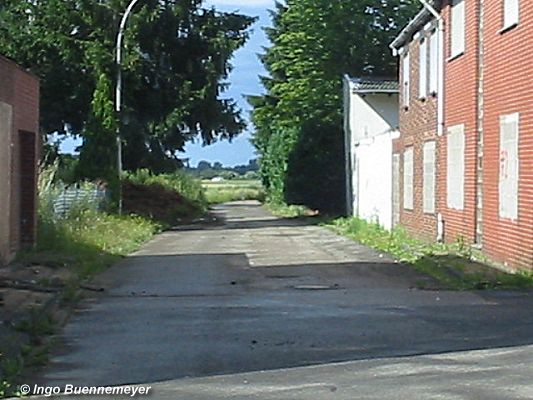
(458, 28)
(423, 76)
(429, 177)
(433, 62)
(408, 178)
(508, 187)
(405, 79)
(511, 13)
(456, 167)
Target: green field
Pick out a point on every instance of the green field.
(232, 190)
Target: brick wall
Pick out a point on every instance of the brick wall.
(418, 124)
(19, 93)
(460, 102)
(481, 85)
(508, 88)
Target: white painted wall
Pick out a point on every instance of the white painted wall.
(371, 123)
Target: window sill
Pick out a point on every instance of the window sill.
(456, 56)
(508, 28)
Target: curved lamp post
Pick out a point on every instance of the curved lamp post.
(118, 92)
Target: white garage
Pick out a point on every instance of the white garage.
(370, 124)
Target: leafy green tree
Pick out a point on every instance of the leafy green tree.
(298, 121)
(176, 61)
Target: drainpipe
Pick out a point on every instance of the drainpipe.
(440, 94)
(440, 97)
(347, 146)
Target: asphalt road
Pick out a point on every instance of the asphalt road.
(254, 297)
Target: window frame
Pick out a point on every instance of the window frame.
(457, 38)
(508, 202)
(408, 195)
(423, 68)
(455, 178)
(510, 20)
(433, 45)
(429, 186)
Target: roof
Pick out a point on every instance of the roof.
(373, 85)
(417, 23)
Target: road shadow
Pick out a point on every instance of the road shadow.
(219, 222)
(210, 314)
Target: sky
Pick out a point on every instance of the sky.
(244, 80)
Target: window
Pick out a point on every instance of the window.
(456, 167)
(458, 28)
(508, 187)
(429, 177)
(511, 13)
(408, 178)
(405, 79)
(423, 63)
(434, 63)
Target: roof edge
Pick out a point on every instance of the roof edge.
(372, 84)
(418, 22)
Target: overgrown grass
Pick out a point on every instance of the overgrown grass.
(289, 211)
(90, 240)
(180, 182)
(455, 266)
(85, 238)
(234, 190)
(84, 242)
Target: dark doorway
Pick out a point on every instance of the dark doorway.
(28, 184)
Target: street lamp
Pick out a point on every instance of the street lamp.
(118, 93)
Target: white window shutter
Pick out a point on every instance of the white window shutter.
(511, 12)
(509, 162)
(458, 28)
(455, 167)
(405, 80)
(429, 177)
(423, 62)
(408, 178)
(433, 62)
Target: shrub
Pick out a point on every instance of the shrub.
(180, 182)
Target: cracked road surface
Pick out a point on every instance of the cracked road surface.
(256, 293)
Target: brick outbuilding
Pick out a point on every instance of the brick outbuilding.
(19, 145)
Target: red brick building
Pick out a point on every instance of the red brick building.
(19, 127)
(466, 124)
(508, 117)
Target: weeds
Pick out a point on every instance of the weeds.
(187, 186)
(451, 265)
(289, 211)
(85, 241)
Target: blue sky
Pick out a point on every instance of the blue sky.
(244, 80)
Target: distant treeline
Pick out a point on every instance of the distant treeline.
(206, 170)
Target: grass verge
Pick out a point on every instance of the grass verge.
(456, 266)
(290, 211)
(75, 248)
